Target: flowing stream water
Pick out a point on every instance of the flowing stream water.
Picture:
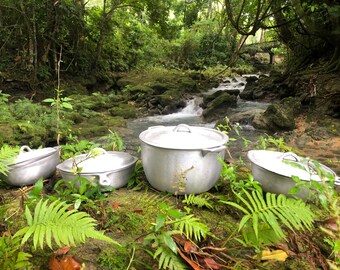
(192, 115)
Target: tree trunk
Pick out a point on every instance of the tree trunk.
(101, 35)
(32, 39)
(236, 52)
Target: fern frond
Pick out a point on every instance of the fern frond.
(201, 200)
(153, 199)
(273, 210)
(7, 154)
(191, 227)
(54, 221)
(167, 259)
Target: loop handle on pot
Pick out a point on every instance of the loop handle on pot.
(337, 181)
(104, 180)
(25, 148)
(286, 156)
(184, 126)
(214, 150)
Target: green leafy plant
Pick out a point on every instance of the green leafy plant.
(268, 142)
(238, 182)
(200, 200)
(59, 103)
(114, 141)
(319, 190)
(54, 221)
(70, 150)
(3, 97)
(80, 191)
(11, 256)
(7, 154)
(322, 193)
(267, 215)
(161, 238)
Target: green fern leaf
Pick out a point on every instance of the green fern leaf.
(7, 154)
(54, 221)
(191, 227)
(294, 214)
(201, 200)
(168, 260)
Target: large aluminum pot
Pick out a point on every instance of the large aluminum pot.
(274, 170)
(108, 168)
(30, 165)
(182, 159)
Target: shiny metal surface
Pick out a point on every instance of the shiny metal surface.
(39, 163)
(108, 169)
(183, 171)
(272, 170)
(183, 136)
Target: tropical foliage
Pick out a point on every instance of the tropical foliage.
(54, 222)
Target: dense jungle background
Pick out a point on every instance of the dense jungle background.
(75, 73)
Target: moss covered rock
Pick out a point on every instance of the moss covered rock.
(279, 116)
(218, 107)
(124, 110)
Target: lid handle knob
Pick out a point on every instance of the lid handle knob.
(182, 126)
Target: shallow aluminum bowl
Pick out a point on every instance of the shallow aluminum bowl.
(30, 165)
(110, 168)
(272, 170)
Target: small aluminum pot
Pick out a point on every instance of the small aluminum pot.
(110, 168)
(274, 170)
(30, 165)
(182, 159)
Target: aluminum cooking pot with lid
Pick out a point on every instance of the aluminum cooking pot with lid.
(182, 159)
(286, 164)
(274, 170)
(30, 165)
(109, 168)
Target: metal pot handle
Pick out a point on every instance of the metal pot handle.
(337, 181)
(213, 150)
(25, 148)
(290, 154)
(104, 180)
(177, 128)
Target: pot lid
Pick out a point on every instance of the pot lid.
(183, 137)
(286, 164)
(26, 154)
(105, 162)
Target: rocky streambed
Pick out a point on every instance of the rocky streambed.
(276, 105)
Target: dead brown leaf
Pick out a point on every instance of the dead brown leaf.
(60, 261)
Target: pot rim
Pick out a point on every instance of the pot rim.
(183, 137)
(47, 152)
(61, 166)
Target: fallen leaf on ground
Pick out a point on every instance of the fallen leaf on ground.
(60, 261)
(115, 205)
(189, 247)
(211, 263)
(278, 255)
(194, 265)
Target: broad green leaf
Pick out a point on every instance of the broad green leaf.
(50, 100)
(67, 105)
(170, 243)
(160, 219)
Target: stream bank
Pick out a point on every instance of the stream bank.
(128, 214)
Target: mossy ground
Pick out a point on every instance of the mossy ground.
(128, 215)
